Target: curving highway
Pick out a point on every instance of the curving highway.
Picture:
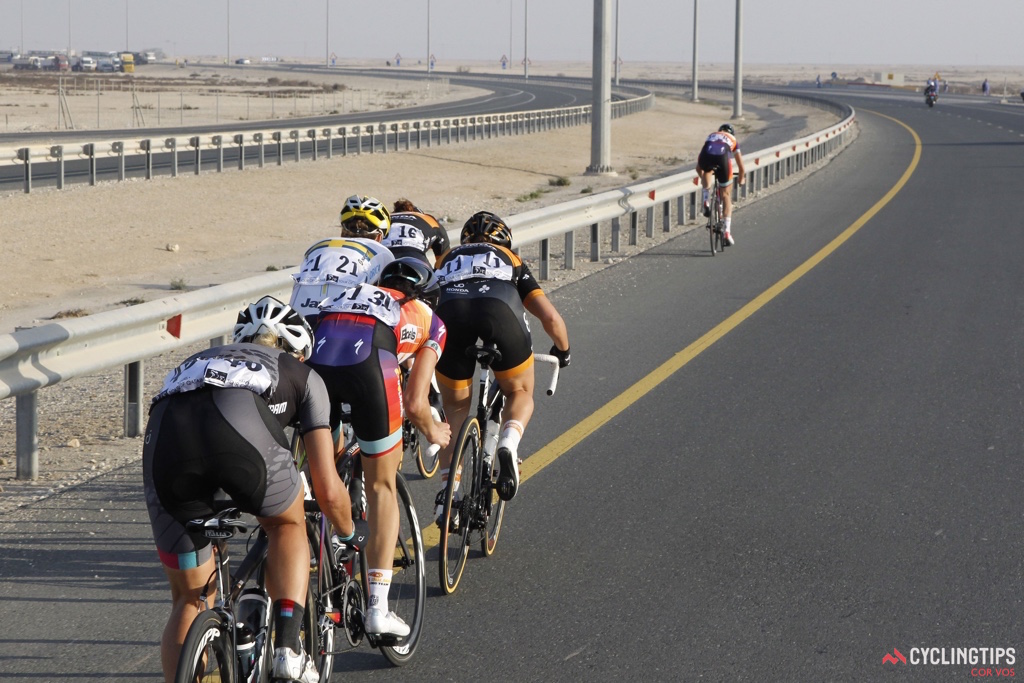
(783, 463)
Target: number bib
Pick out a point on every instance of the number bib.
(219, 372)
(406, 235)
(466, 266)
(366, 300)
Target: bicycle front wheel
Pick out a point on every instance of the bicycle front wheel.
(408, 594)
(459, 508)
(208, 652)
(322, 603)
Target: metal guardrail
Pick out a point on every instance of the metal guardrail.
(192, 151)
(34, 358)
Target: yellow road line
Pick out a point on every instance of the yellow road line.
(574, 435)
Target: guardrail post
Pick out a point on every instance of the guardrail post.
(408, 135)
(294, 135)
(344, 141)
(359, 140)
(681, 209)
(25, 154)
(147, 147)
(634, 228)
(311, 134)
(279, 139)
(27, 447)
(570, 250)
(419, 134)
(133, 399)
(118, 149)
(666, 216)
(394, 129)
(239, 140)
(545, 258)
(218, 140)
(649, 228)
(57, 152)
(257, 138)
(616, 230)
(373, 138)
(448, 127)
(172, 144)
(383, 137)
(194, 143)
(218, 341)
(595, 242)
(330, 142)
(90, 150)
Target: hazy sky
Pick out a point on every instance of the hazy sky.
(813, 32)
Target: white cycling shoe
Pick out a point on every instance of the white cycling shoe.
(289, 666)
(378, 623)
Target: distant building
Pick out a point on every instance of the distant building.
(888, 78)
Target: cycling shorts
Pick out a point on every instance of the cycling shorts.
(721, 164)
(201, 445)
(359, 365)
(498, 318)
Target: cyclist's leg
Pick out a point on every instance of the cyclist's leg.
(186, 587)
(377, 420)
(287, 571)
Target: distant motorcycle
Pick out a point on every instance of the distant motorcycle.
(930, 97)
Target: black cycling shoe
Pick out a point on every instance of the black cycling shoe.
(508, 474)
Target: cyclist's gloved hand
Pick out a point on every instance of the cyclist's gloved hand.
(562, 356)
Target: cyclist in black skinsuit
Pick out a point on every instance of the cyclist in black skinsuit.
(414, 232)
(216, 428)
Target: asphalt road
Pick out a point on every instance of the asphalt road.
(781, 463)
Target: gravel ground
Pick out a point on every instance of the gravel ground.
(233, 225)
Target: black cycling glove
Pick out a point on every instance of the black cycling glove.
(562, 356)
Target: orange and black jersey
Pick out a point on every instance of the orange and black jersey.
(488, 262)
(412, 233)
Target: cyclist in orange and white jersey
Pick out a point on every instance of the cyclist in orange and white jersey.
(716, 158)
(414, 232)
(486, 290)
(332, 265)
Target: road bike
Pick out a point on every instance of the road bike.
(472, 508)
(339, 573)
(716, 234)
(232, 641)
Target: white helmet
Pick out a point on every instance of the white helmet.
(290, 327)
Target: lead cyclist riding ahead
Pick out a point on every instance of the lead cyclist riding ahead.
(716, 158)
(486, 290)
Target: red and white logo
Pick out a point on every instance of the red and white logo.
(895, 658)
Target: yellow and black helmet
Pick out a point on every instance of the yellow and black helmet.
(484, 226)
(371, 212)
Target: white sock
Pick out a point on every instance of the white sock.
(511, 434)
(445, 475)
(726, 222)
(380, 584)
(704, 195)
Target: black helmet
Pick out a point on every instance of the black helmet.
(412, 277)
(727, 128)
(489, 226)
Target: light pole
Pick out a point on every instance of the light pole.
(125, 25)
(510, 5)
(21, 49)
(694, 78)
(327, 37)
(229, 31)
(737, 88)
(616, 42)
(69, 34)
(526, 39)
(428, 37)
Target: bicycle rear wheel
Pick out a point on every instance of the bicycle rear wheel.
(208, 652)
(408, 594)
(454, 544)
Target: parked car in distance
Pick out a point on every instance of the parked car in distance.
(242, 60)
(84, 64)
(106, 66)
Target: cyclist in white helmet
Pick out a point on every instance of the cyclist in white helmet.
(216, 427)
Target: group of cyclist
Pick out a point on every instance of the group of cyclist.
(363, 306)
